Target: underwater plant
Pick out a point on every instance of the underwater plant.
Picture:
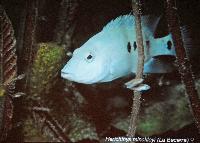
(57, 110)
(45, 68)
(183, 61)
(8, 71)
(43, 77)
(136, 6)
(27, 39)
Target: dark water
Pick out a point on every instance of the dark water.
(90, 18)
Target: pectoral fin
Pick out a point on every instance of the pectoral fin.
(141, 87)
(133, 83)
(136, 85)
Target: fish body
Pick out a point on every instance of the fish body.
(112, 53)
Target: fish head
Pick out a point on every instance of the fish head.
(88, 65)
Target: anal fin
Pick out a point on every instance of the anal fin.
(159, 65)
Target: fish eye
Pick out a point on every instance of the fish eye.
(89, 58)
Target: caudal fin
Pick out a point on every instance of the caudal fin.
(190, 41)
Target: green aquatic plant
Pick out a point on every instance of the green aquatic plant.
(44, 74)
(46, 67)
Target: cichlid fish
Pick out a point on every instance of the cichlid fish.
(112, 53)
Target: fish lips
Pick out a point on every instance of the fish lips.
(68, 76)
(72, 77)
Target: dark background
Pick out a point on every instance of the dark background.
(91, 16)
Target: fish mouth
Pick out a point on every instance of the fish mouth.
(66, 75)
(72, 77)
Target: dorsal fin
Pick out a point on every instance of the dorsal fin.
(150, 22)
(124, 20)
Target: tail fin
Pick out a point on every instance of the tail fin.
(190, 41)
(150, 22)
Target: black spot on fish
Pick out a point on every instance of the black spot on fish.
(148, 44)
(169, 45)
(129, 47)
(148, 48)
(135, 45)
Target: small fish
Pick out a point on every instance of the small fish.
(18, 94)
(112, 53)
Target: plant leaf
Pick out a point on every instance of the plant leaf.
(8, 71)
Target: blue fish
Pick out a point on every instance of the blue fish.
(112, 53)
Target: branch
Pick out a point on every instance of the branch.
(29, 38)
(51, 123)
(66, 22)
(8, 72)
(183, 61)
(139, 74)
